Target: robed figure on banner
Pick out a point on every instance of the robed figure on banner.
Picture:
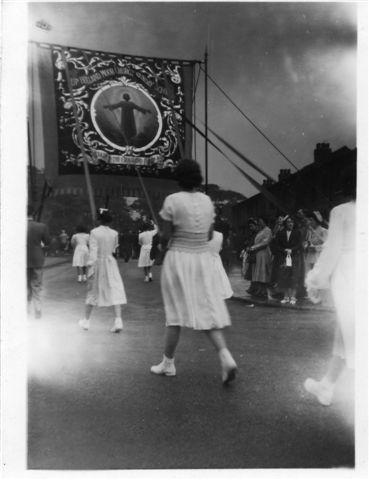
(127, 118)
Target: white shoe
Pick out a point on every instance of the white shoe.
(118, 326)
(166, 367)
(79, 278)
(285, 300)
(293, 301)
(229, 366)
(146, 279)
(321, 391)
(84, 278)
(85, 324)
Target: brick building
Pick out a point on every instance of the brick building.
(316, 186)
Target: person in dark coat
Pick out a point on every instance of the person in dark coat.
(125, 245)
(287, 248)
(278, 226)
(248, 258)
(37, 238)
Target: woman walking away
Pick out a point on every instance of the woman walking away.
(79, 242)
(215, 247)
(335, 268)
(145, 240)
(105, 285)
(192, 294)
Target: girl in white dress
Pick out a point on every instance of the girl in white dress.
(105, 285)
(335, 269)
(144, 260)
(215, 247)
(79, 242)
(192, 294)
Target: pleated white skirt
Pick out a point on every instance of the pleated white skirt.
(105, 285)
(80, 256)
(192, 293)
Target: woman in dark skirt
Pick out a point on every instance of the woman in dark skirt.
(287, 249)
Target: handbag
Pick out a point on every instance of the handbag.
(251, 257)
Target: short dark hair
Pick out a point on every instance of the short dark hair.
(126, 96)
(188, 174)
(146, 226)
(289, 217)
(104, 215)
(81, 229)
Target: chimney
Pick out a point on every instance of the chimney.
(267, 182)
(322, 152)
(283, 174)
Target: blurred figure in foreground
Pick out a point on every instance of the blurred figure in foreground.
(335, 269)
(37, 238)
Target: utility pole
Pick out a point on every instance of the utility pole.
(206, 119)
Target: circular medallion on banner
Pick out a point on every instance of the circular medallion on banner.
(126, 117)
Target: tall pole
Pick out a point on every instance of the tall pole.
(206, 119)
(80, 140)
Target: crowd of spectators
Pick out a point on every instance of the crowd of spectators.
(277, 255)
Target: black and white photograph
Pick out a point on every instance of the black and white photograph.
(184, 229)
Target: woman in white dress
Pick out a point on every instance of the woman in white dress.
(144, 260)
(79, 242)
(316, 235)
(335, 269)
(216, 244)
(192, 294)
(105, 285)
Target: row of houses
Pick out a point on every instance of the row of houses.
(317, 186)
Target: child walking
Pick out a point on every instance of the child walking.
(144, 260)
(80, 242)
(105, 285)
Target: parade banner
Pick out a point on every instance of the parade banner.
(131, 111)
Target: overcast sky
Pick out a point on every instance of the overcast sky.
(291, 67)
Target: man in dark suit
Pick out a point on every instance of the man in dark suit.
(37, 238)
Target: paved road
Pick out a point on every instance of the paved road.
(93, 403)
